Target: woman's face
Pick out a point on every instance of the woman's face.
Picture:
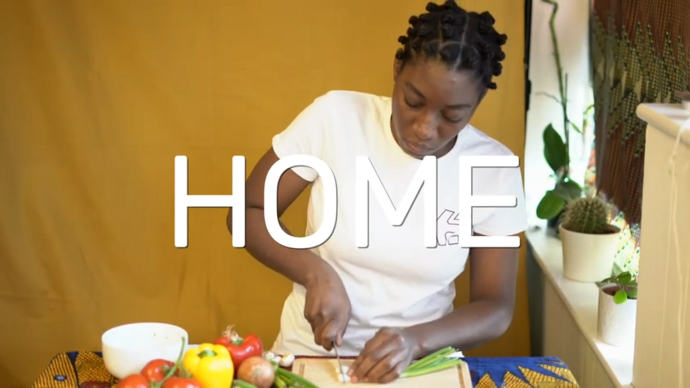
(431, 105)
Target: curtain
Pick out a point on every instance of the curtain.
(640, 54)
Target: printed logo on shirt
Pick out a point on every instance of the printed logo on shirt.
(448, 223)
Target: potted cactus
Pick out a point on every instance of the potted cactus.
(618, 310)
(589, 240)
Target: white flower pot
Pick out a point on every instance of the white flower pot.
(616, 322)
(588, 257)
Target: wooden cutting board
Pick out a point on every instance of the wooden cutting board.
(322, 372)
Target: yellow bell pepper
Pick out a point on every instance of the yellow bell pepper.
(211, 365)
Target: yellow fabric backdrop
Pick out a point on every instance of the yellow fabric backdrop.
(97, 97)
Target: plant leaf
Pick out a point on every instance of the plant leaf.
(632, 293)
(624, 278)
(589, 108)
(554, 149)
(620, 297)
(568, 190)
(550, 205)
(576, 128)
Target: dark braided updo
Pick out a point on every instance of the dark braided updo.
(462, 40)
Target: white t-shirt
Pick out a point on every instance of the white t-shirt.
(396, 281)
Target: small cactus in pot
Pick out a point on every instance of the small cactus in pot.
(589, 240)
(588, 215)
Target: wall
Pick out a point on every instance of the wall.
(97, 99)
(563, 339)
(662, 340)
(563, 316)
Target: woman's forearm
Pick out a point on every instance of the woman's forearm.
(467, 327)
(300, 266)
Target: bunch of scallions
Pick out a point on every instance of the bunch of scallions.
(434, 362)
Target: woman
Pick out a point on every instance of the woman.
(392, 302)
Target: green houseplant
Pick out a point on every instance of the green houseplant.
(557, 148)
(588, 239)
(617, 310)
(622, 287)
(557, 156)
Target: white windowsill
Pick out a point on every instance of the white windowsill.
(582, 300)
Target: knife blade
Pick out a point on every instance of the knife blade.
(340, 365)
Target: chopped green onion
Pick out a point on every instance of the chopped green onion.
(434, 362)
(450, 363)
(431, 358)
(295, 378)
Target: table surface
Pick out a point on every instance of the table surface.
(86, 370)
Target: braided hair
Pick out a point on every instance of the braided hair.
(463, 40)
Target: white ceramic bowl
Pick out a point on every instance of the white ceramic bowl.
(128, 348)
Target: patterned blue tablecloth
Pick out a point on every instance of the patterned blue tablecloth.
(86, 370)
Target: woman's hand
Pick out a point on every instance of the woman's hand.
(384, 357)
(327, 307)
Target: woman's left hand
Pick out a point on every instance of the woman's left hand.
(384, 357)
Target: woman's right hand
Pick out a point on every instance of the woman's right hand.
(327, 307)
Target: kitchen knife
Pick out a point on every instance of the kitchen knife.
(340, 365)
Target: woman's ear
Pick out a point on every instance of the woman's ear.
(397, 68)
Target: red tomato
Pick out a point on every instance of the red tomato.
(179, 382)
(133, 381)
(156, 370)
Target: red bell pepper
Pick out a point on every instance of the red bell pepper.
(240, 348)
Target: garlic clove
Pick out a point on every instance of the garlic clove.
(343, 378)
(287, 360)
(342, 374)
